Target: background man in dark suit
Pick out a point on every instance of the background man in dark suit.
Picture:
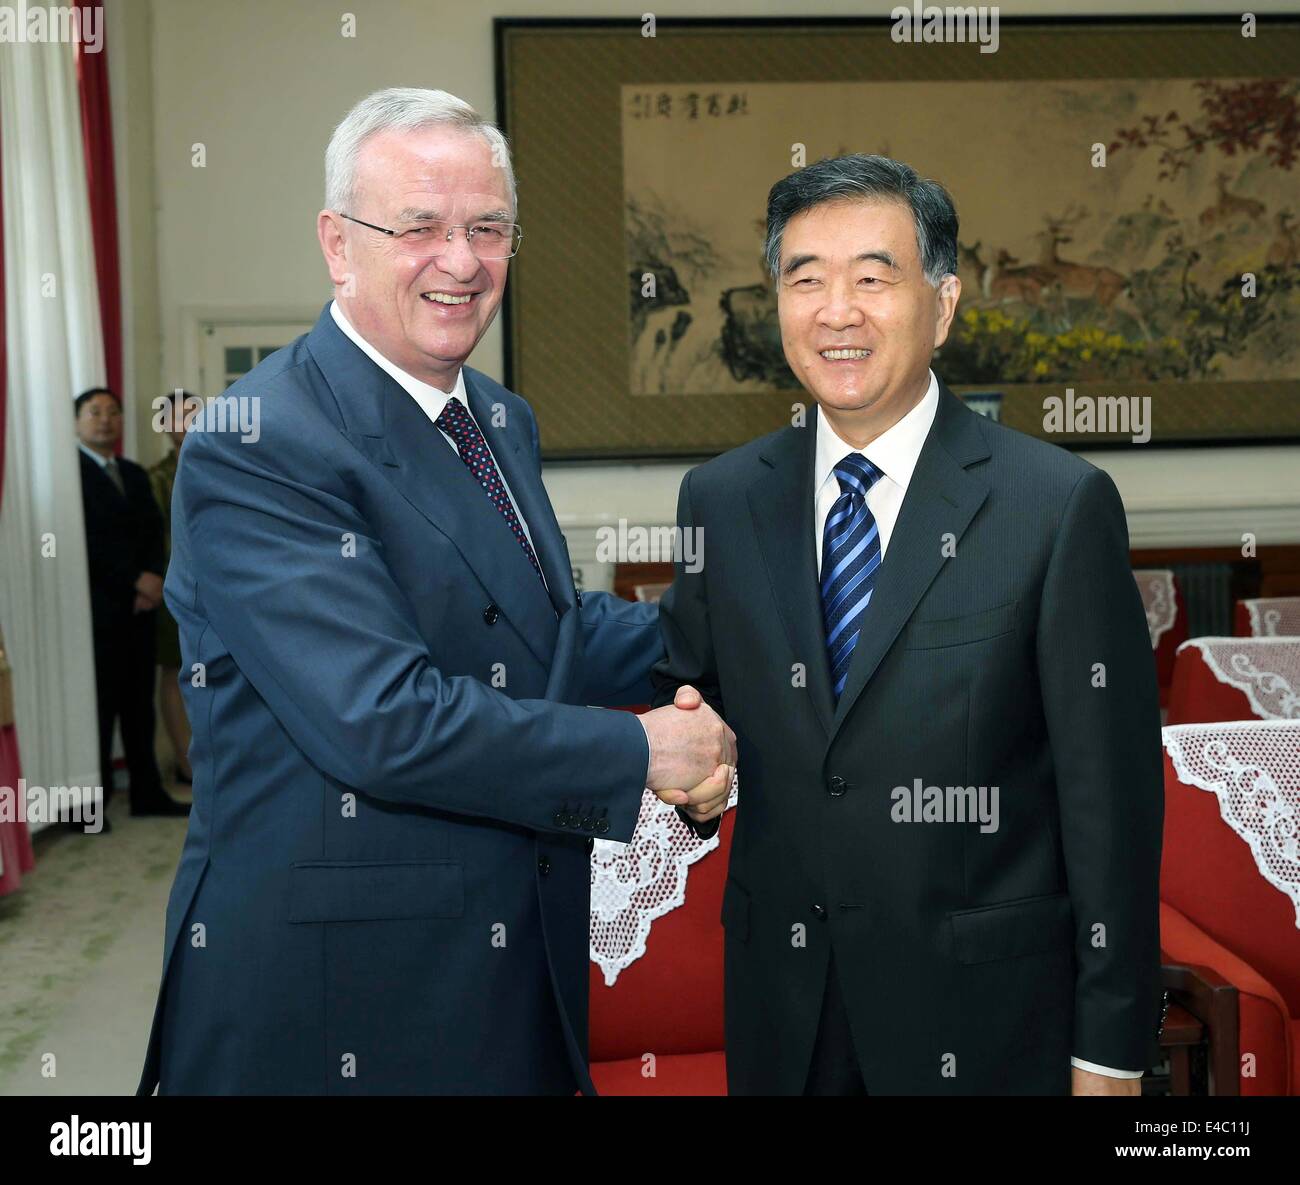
(384, 888)
(924, 629)
(124, 549)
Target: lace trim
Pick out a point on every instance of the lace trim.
(1253, 768)
(1266, 670)
(635, 884)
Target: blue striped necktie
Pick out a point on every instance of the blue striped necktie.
(850, 557)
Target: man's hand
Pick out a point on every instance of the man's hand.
(1086, 1082)
(707, 800)
(688, 743)
(150, 586)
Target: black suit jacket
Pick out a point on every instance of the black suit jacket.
(124, 536)
(1005, 646)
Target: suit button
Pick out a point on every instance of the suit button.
(490, 614)
(589, 824)
(544, 866)
(839, 787)
(579, 595)
(574, 821)
(819, 912)
(561, 819)
(602, 825)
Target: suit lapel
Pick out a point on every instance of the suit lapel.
(392, 431)
(99, 477)
(781, 504)
(942, 498)
(514, 458)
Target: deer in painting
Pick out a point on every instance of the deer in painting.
(997, 281)
(971, 268)
(1005, 283)
(1228, 207)
(1082, 281)
(1284, 250)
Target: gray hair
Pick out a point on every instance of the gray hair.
(860, 177)
(404, 109)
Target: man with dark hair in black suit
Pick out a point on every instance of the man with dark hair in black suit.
(924, 629)
(124, 549)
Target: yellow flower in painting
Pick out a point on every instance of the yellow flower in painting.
(1041, 367)
(1085, 354)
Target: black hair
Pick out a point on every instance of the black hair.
(868, 178)
(89, 394)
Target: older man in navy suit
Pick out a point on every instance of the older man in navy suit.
(384, 886)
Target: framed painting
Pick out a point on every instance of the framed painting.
(1127, 191)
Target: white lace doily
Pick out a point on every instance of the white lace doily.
(1159, 599)
(1266, 669)
(1274, 617)
(632, 884)
(1253, 768)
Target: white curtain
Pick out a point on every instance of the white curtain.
(55, 349)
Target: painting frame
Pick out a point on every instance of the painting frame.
(565, 310)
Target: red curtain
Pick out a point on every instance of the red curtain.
(4, 330)
(97, 139)
(15, 843)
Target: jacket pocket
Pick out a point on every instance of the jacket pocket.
(1014, 928)
(955, 631)
(369, 891)
(735, 911)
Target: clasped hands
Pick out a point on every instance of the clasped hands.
(692, 755)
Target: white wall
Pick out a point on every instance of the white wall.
(261, 83)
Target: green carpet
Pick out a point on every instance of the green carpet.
(80, 953)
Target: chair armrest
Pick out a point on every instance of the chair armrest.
(1212, 999)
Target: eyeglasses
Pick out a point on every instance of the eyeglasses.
(487, 240)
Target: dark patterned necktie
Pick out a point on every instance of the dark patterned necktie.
(115, 475)
(850, 557)
(457, 423)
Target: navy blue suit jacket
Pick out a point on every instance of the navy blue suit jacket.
(384, 884)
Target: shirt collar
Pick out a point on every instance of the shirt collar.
(432, 399)
(894, 452)
(94, 456)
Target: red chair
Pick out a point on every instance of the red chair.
(1266, 617)
(1166, 620)
(658, 1030)
(1207, 688)
(1218, 912)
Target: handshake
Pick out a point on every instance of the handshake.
(692, 755)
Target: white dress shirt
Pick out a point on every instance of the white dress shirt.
(431, 400)
(112, 470)
(99, 460)
(894, 452)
